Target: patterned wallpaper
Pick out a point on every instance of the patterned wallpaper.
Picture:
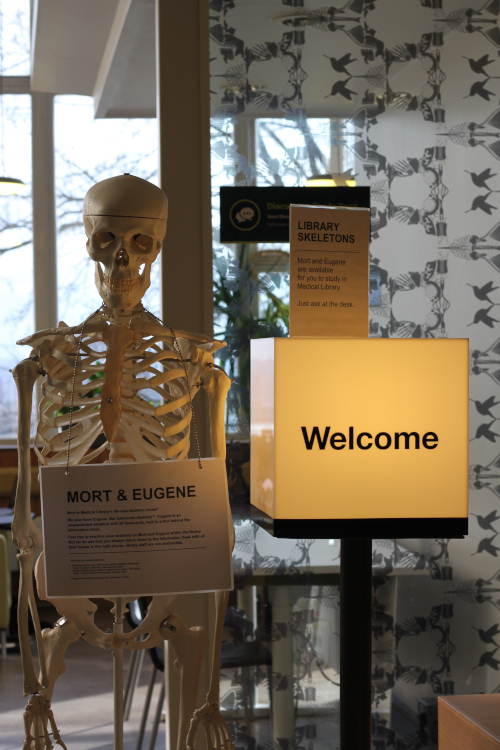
(419, 83)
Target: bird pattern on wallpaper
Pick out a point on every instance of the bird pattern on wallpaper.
(422, 98)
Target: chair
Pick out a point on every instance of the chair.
(240, 653)
(157, 655)
(244, 653)
(135, 615)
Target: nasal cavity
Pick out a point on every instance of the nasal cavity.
(121, 257)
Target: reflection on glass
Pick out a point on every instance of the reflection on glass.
(87, 151)
(290, 151)
(251, 281)
(419, 89)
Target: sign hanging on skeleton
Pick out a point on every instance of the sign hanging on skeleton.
(136, 529)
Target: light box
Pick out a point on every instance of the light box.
(360, 437)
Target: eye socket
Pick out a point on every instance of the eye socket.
(143, 242)
(103, 239)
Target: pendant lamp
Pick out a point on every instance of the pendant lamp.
(332, 180)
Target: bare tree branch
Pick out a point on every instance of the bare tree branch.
(15, 247)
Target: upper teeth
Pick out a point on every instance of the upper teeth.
(121, 285)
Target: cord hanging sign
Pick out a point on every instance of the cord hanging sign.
(136, 529)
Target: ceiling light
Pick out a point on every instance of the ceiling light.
(11, 186)
(332, 180)
(321, 180)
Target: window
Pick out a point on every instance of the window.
(16, 256)
(87, 150)
(16, 251)
(251, 283)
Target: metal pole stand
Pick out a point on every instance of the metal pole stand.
(355, 643)
(118, 676)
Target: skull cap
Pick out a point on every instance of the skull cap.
(126, 195)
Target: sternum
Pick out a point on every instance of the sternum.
(117, 338)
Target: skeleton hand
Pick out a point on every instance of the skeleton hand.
(37, 716)
(217, 733)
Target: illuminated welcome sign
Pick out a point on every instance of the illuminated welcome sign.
(360, 437)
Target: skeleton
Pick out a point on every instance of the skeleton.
(129, 355)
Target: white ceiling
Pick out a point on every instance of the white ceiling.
(99, 48)
(68, 43)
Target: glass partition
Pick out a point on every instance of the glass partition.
(405, 96)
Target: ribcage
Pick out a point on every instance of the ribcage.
(153, 412)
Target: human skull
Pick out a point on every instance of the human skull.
(125, 221)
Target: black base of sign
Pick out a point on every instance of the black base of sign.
(362, 528)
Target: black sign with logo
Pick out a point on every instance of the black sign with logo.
(256, 214)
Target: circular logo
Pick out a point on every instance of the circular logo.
(244, 215)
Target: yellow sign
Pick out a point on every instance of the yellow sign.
(360, 428)
(329, 271)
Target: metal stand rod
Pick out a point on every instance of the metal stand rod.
(133, 682)
(118, 677)
(355, 643)
(130, 679)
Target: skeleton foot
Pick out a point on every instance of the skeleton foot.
(38, 717)
(216, 731)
